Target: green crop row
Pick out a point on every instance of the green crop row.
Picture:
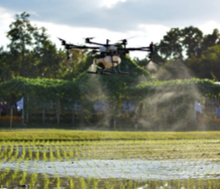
(77, 135)
(82, 164)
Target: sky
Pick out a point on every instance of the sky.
(140, 21)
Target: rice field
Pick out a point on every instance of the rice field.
(134, 164)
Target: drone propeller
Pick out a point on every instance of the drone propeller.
(63, 41)
(124, 42)
(87, 39)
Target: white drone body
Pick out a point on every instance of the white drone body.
(107, 61)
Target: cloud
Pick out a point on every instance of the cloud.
(208, 27)
(118, 15)
(110, 4)
(5, 19)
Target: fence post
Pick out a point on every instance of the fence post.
(23, 113)
(11, 119)
(115, 114)
(73, 114)
(43, 118)
(58, 112)
(27, 115)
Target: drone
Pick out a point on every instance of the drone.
(107, 56)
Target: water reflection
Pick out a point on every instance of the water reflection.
(65, 167)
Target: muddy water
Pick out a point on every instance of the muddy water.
(53, 167)
(121, 169)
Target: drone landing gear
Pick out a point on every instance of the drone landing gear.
(119, 71)
(102, 73)
(114, 72)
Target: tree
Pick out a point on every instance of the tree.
(48, 60)
(191, 40)
(211, 40)
(80, 61)
(32, 53)
(208, 65)
(21, 36)
(172, 45)
(5, 70)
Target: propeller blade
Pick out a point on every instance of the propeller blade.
(87, 39)
(63, 41)
(124, 41)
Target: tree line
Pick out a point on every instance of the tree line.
(31, 54)
(188, 49)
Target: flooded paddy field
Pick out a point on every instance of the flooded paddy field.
(111, 164)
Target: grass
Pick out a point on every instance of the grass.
(79, 135)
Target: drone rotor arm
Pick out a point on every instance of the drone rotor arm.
(134, 49)
(70, 46)
(94, 43)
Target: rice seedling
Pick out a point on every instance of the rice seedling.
(98, 163)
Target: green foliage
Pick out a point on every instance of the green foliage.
(78, 89)
(204, 86)
(190, 39)
(5, 71)
(171, 43)
(31, 54)
(200, 53)
(21, 35)
(207, 65)
(211, 40)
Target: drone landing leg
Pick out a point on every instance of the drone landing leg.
(113, 68)
(90, 72)
(119, 71)
(102, 73)
(96, 72)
